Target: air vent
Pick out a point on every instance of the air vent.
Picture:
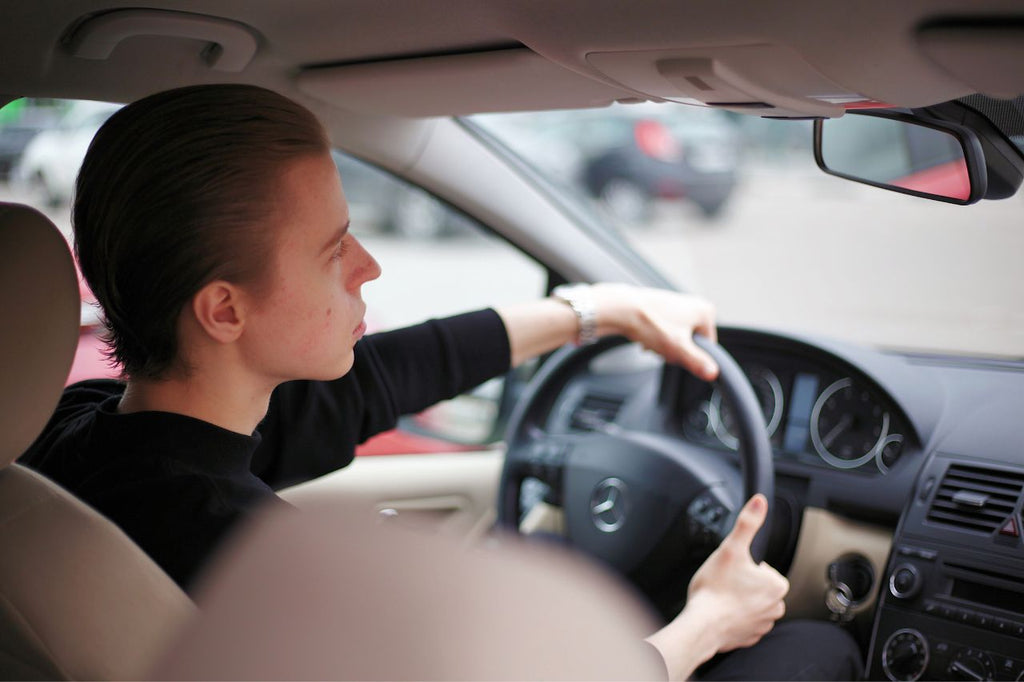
(595, 411)
(976, 498)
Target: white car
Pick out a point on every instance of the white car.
(49, 165)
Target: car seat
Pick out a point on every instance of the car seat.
(78, 599)
(331, 592)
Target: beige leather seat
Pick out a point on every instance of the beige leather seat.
(78, 599)
(326, 593)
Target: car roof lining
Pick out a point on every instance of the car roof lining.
(418, 52)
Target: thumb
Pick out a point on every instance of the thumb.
(749, 521)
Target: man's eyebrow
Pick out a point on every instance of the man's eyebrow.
(337, 236)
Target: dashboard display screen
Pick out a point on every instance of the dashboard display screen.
(987, 595)
(805, 390)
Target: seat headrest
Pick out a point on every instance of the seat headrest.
(40, 310)
(324, 593)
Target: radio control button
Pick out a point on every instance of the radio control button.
(904, 582)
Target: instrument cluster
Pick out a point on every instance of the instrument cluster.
(814, 413)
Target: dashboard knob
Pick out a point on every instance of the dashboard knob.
(970, 664)
(904, 581)
(905, 655)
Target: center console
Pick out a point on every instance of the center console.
(953, 599)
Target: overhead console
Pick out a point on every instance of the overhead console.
(743, 78)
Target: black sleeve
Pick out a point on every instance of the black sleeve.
(312, 427)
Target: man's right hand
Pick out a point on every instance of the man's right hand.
(741, 599)
(732, 602)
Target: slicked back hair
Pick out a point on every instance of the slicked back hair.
(174, 193)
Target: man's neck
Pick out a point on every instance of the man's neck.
(216, 400)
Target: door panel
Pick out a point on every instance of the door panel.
(456, 493)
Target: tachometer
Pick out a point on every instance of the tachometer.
(768, 389)
(847, 426)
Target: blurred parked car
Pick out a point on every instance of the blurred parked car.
(18, 126)
(648, 154)
(49, 164)
(629, 157)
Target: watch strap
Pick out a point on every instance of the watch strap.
(580, 299)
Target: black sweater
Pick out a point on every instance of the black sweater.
(176, 484)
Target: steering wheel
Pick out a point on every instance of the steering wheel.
(644, 501)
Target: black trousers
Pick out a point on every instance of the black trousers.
(793, 650)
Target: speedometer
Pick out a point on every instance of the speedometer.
(847, 426)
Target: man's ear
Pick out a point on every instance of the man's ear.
(219, 310)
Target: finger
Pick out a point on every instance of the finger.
(705, 323)
(749, 521)
(696, 360)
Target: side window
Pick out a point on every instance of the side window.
(436, 262)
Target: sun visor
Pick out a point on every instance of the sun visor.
(987, 56)
(743, 78)
(515, 79)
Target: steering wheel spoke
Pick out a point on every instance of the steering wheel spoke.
(709, 518)
(545, 460)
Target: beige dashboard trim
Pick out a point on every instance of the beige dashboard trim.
(824, 537)
(455, 493)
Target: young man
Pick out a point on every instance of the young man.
(211, 225)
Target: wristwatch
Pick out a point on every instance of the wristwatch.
(579, 298)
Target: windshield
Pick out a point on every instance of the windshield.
(735, 208)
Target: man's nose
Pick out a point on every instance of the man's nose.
(367, 268)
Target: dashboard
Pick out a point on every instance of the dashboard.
(817, 411)
(930, 448)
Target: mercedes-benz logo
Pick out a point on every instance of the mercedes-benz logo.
(609, 505)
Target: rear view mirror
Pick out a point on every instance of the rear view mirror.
(903, 154)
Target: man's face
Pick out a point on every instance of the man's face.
(311, 311)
